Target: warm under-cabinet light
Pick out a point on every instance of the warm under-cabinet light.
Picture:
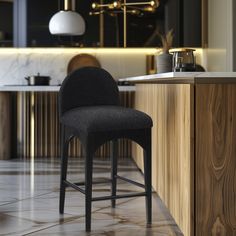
(114, 51)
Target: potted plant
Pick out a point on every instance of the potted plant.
(164, 60)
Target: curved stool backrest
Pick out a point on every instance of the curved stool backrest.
(87, 86)
(82, 60)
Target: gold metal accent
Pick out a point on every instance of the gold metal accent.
(94, 5)
(101, 25)
(151, 3)
(32, 125)
(69, 5)
(123, 6)
(66, 5)
(204, 23)
(125, 24)
(150, 65)
(117, 4)
(97, 6)
(182, 50)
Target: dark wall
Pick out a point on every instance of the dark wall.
(91, 36)
(192, 16)
(143, 30)
(6, 23)
(38, 16)
(174, 20)
(184, 16)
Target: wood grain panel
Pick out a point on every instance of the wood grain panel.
(5, 125)
(216, 160)
(171, 108)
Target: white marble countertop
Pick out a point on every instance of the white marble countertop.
(185, 77)
(51, 88)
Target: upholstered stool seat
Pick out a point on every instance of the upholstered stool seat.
(105, 118)
(89, 109)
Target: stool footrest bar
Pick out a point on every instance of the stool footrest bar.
(76, 187)
(99, 181)
(130, 181)
(119, 196)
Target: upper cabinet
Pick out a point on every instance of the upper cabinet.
(38, 16)
(185, 17)
(31, 18)
(6, 23)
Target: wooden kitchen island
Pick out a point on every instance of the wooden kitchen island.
(30, 124)
(193, 147)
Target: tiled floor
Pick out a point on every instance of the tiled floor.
(29, 194)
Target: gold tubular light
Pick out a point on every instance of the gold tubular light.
(119, 4)
(125, 7)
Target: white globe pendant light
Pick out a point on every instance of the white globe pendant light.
(67, 22)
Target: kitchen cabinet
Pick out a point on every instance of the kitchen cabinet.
(184, 16)
(31, 127)
(38, 16)
(193, 147)
(6, 24)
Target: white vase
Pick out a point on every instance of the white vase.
(164, 63)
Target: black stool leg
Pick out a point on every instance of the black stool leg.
(114, 170)
(88, 188)
(64, 161)
(148, 182)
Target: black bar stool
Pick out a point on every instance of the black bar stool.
(89, 109)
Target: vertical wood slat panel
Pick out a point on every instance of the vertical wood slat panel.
(216, 159)
(40, 125)
(5, 123)
(47, 127)
(27, 143)
(20, 107)
(171, 108)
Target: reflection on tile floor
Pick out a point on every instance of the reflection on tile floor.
(29, 195)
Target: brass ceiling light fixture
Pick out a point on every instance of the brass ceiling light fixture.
(67, 21)
(118, 5)
(122, 6)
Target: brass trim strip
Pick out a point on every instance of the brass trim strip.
(204, 23)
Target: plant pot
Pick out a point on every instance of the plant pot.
(164, 63)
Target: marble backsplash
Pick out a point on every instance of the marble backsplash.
(16, 64)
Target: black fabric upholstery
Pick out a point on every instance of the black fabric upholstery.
(88, 86)
(89, 99)
(105, 118)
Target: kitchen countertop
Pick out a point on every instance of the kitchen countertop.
(51, 88)
(185, 77)
(171, 77)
